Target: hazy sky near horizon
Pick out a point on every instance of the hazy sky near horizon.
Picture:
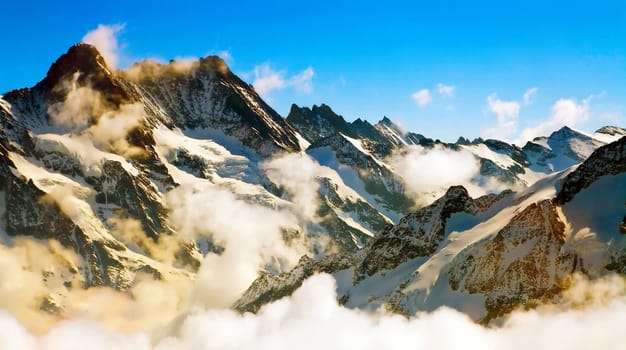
(440, 68)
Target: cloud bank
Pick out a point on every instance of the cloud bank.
(312, 319)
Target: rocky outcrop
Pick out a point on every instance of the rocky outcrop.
(267, 288)
(525, 261)
(346, 237)
(318, 122)
(606, 160)
(419, 233)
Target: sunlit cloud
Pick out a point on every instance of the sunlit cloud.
(105, 39)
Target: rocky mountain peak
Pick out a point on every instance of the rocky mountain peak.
(83, 58)
(386, 121)
(456, 192)
(83, 65)
(609, 133)
(214, 63)
(318, 122)
(566, 133)
(606, 160)
(611, 130)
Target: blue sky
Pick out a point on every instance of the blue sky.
(367, 59)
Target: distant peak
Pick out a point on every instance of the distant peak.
(566, 129)
(323, 109)
(386, 121)
(566, 132)
(611, 130)
(463, 141)
(294, 108)
(359, 121)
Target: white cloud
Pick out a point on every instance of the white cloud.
(104, 38)
(565, 112)
(446, 90)
(266, 80)
(302, 81)
(422, 97)
(428, 173)
(528, 95)
(81, 105)
(595, 323)
(85, 110)
(250, 234)
(507, 113)
(297, 173)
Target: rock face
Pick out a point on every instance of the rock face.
(419, 233)
(318, 122)
(345, 236)
(525, 261)
(206, 94)
(268, 288)
(377, 178)
(28, 211)
(606, 160)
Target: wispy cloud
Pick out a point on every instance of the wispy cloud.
(446, 168)
(302, 81)
(225, 55)
(266, 80)
(507, 113)
(446, 90)
(105, 39)
(564, 112)
(422, 97)
(529, 95)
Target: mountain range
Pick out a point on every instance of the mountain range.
(107, 163)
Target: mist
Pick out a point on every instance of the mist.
(428, 173)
